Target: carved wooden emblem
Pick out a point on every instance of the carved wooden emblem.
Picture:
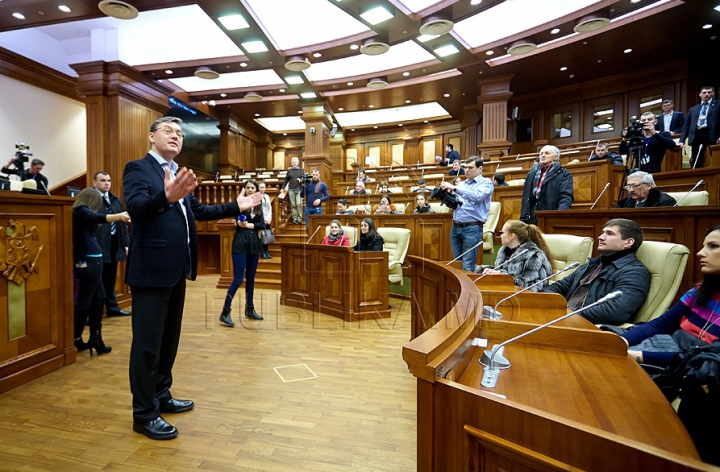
(19, 251)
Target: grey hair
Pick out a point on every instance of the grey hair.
(165, 119)
(644, 177)
(554, 150)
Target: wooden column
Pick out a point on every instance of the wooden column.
(470, 120)
(494, 95)
(318, 122)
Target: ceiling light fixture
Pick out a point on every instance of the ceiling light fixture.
(374, 47)
(437, 24)
(317, 54)
(294, 79)
(206, 73)
(233, 22)
(223, 95)
(354, 47)
(253, 97)
(447, 95)
(407, 101)
(168, 71)
(19, 16)
(376, 15)
(377, 83)
(563, 68)
(308, 95)
(628, 50)
(118, 9)
(254, 47)
(281, 90)
(243, 64)
(591, 23)
(405, 74)
(473, 3)
(257, 114)
(297, 63)
(524, 46)
(447, 50)
(341, 109)
(64, 8)
(707, 26)
(555, 31)
(489, 53)
(424, 38)
(350, 84)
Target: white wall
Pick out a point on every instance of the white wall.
(52, 125)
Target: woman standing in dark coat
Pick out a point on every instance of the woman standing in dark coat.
(87, 257)
(246, 250)
(548, 186)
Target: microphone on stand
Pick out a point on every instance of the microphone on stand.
(508, 260)
(496, 315)
(313, 235)
(700, 149)
(45, 187)
(601, 194)
(217, 176)
(691, 191)
(493, 360)
(458, 257)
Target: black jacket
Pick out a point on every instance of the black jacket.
(613, 157)
(103, 232)
(364, 245)
(656, 147)
(655, 198)
(555, 194)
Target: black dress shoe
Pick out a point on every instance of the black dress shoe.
(119, 313)
(156, 429)
(174, 405)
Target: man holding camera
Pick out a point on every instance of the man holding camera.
(650, 143)
(33, 173)
(474, 195)
(315, 192)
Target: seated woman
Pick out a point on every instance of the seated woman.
(359, 189)
(693, 321)
(528, 268)
(369, 239)
(337, 236)
(422, 205)
(342, 208)
(385, 207)
(361, 177)
(383, 187)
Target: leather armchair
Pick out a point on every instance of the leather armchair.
(396, 243)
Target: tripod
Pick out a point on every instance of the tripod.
(631, 165)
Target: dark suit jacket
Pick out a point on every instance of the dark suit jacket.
(159, 240)
(688, 130)
(655, 198)
(555, 194)
(676, 122)
(103, 232)
(657, 145)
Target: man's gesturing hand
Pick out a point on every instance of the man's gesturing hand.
(184, 183)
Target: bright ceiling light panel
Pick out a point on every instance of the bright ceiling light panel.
(233, 80)
(413, 6)
(253, 47)
(424, 38)
(492, 24)
(308, 95)
(233, 22)
(391, 115)
(282, 124)
(399, 56)
(294, 79)
(321, 22)
(376, 15)
(447, 50)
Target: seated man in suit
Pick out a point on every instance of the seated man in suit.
(456, 169)
(643, 193)
(602, 152)
(670, 120)
(616, 268)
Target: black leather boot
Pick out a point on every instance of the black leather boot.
(225, 318)
(251, 313)
(96, 342)
(81, 346)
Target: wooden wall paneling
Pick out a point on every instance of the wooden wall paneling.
(335, 293)
(667, 90)
(615, 102)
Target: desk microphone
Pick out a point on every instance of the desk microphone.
(691, 191)
(458, 257)
(496, 315)
(310, 239)
(700, 149)
(508, 260)
(493, 365)
(601, 194)
(518, 157)
(48, 191)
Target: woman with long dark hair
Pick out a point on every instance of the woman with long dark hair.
(87, 256)
(246, 250)
(693, 321)
(369, 239)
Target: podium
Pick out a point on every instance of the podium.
(336, 281)
(571, 399)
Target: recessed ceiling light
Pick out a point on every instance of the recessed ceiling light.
(64, 8)
(447, 95)
(627, 50)
(407, 101)
(354, 47)
(707, 26)
(254, 46)
(223, 95)
(19, 16)
(257, 114)
(489, 53)
(371, 106)
(317, 54)
(405, 74)
(308, 95)
(635, 1)
(376, 15)
(555, 31)
(294, 79)
(341, 109)
(168, 71)
(281, 90)
(474, 2)
(572, 76)
(233, 22)
(350, 83)
(717, 8)
(447, 50)
(300, 111)
(374, 127)
(284, 134)
(426, 121)
(243, 64)
(399, 124)
(563, 68)
(353, 129)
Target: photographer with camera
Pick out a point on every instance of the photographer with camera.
(18, 162)
(650, 143)
(315, 192)
(470, 212)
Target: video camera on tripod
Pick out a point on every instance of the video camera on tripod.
(635, 131)
(22, 155)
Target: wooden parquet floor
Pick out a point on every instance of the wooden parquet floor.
(296, 392)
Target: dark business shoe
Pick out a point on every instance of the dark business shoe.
(156, 429)
(174, 405)
(119, 313)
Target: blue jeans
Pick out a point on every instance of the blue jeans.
(462, 239)
(244, 267)
(312, 211)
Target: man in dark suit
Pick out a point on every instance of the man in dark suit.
(162, 254)
(113, 240)
(642, 193)
(670, 120)
(701, 126)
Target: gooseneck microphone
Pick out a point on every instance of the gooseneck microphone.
(506, 261)
(601, 194)
(458, 257)
(48, 191)
(310, 238)
(496, 315)
(493, 366)
(691, 191)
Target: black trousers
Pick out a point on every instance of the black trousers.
(156, 322)
(702, 138)
(90, 297)
(109, 276)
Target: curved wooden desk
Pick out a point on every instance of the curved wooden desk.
(571, 400)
